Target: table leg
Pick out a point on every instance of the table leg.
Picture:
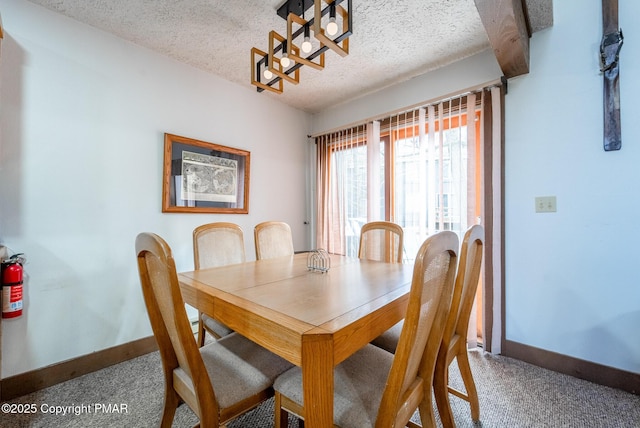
(317, 379)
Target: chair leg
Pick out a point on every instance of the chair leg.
(469, 384)
(281, 416)
(201, 331)
(441, 392)
(171, 401)
(427, 417)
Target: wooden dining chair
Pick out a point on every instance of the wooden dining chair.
(454, 339)
(216, 244)
(381, 241)
(374, 386)
(273, 239)
(218, 381)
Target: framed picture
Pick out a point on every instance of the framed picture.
(201, 177)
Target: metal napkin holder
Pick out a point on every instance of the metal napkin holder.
(318, 261)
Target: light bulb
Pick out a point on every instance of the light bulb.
(267, 74)
(285, 61)
(306, 45)
(332, 27)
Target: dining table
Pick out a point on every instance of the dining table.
(314, 319)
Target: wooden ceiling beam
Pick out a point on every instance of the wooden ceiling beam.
(505, 22)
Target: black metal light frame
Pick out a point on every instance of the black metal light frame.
(299, 7)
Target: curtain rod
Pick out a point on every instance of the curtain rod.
(502, 81)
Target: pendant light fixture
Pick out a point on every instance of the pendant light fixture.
(331, 25)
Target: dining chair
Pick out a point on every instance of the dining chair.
(381, 241)
(273, 239)
(454, 339)
(216, 244)
(375, 386)
(218, 381)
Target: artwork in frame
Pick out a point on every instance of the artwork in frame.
(202, 177)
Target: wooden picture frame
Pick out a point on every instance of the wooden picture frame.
(203, 177)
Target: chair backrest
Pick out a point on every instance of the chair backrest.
(411, 374)
(381, 241)
(273, 239)
(218, 244)
(467, 278)
(168, 317)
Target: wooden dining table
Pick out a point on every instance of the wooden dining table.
(314, 320)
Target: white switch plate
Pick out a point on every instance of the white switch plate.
(546, 204)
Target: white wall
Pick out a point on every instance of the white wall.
(81, 149)
(573, 284)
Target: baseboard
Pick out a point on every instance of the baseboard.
(26, 383)
(587, 370)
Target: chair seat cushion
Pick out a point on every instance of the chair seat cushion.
(359, 383)
(389, 339)
(239, 368)
(217, 327)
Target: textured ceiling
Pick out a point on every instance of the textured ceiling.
(392, 41)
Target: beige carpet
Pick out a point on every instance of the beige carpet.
(512, 394)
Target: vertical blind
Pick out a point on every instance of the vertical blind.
(342, 189)
(426, 169)
(417, 168)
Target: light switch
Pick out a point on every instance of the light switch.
(546, 204)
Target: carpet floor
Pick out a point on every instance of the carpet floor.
(512, 394)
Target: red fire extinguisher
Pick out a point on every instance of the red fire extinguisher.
(12, 273)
